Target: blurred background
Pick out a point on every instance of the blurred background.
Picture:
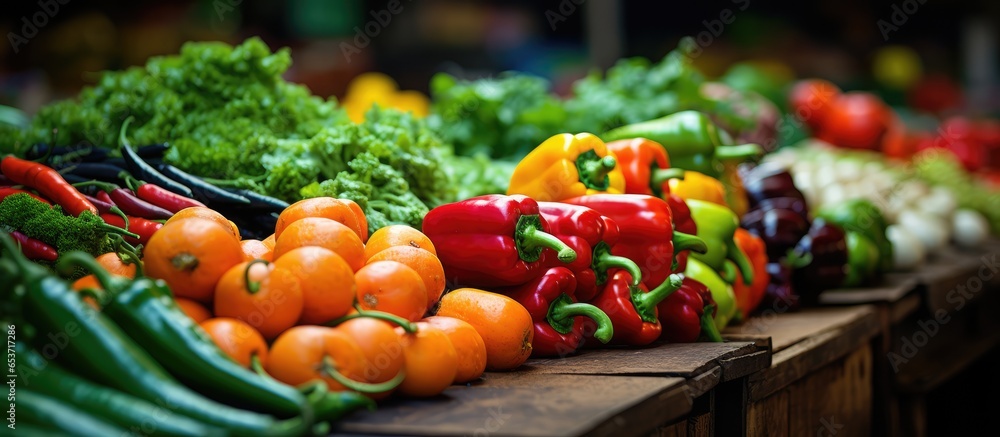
(931, 51)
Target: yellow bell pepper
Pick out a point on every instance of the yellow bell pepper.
(372, 88)
(566, 166)
(699, 186)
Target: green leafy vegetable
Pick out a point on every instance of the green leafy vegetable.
(505, 117)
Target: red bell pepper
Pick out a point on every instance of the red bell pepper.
(592, 235)
(682, 223)
(632, 309)
(492, 240)
(687, 314)
(554, 313)
(646, 166)
(647, 232)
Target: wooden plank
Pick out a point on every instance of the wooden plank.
(769, 417)
(789, 328)
(518, 404)
(700, 384)
(940, 276)
(744, 365)
(668, 359)
(832, 336)
(890, 288)
(834, 400)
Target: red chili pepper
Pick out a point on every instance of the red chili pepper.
(128, 202)
(33, 249)
(492, 240)
(7, 191)
(48, 182)
(554, 310)
(632, 309)
(140, 226)
(687, 314)
(592, 236)
(646, 166)
(647, 232)
(159, 196)
(682, 223)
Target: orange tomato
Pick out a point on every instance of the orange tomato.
(326, 280)
(255, 249)
(191, 255)
(323, 232)
(343, 211)
(381, 347)
(266, 296)
(423, 262)
(392, 287)
(397, 235)
(89, 281)
(114, 265)
(237, 339)
(504, 324)
(431, 361)
(468, 344)
(306, 353)
(194, 310)
(208, 214)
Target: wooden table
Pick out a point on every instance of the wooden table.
(820, 372)
(596, 392)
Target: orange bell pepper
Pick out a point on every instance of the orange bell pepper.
(749, 296)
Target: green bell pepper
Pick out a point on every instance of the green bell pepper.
(692, 140)
(863, 217)
(722, 293)
(716, 226)
(862, 259)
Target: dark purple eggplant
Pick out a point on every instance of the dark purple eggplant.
(819, 260)
(769, 181)
(792, 203)
(780, 296)
(781, 230)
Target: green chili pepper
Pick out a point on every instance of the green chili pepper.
(56, 416)
(692, 140)
(717, 226)
(123, 410)
(75, 333)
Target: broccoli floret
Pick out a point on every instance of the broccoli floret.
(37, 220)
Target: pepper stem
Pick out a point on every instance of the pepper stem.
(603, 261)
(329, 368)
(257, 367)
(690, 242)
(645, 303)
(106, 187)
(407, 326)
(740, 152)
(736, 255)
(111, 229)
(252, 286)
(708, 328)
(593, 169)
(563, 310)
(530, 239)
(660, 175)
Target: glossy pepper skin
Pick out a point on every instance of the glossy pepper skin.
(692, 140)
(862, 259)
(557, 317)
(682, 223)
(592, 236)
(645, 165)
(722, 292)
(492, 240)
(819, 261)
(632, 309)
(103, 353)
(863, 217)
(688, 314)
(770, 181)
(647, 233)
(565, 166)
(717, 226)
(781, 229)
(749, 295)
(699, 186)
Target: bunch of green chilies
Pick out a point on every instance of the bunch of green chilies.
(138, 365)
